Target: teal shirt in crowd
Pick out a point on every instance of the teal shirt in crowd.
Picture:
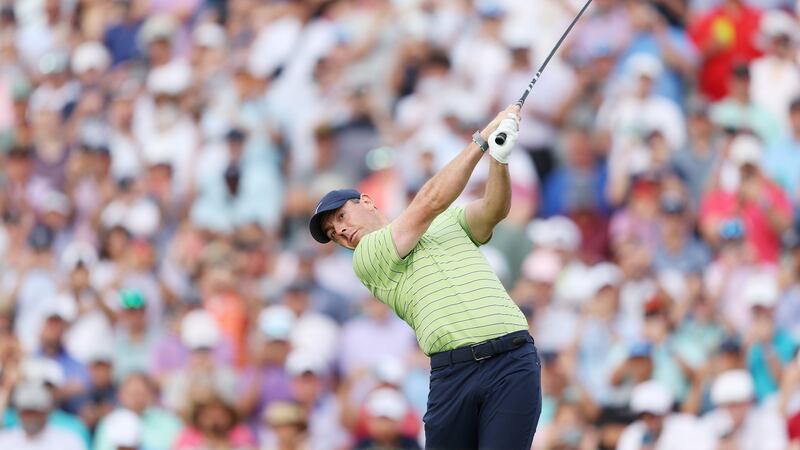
(784, 347)
(159, 430)
(58, 419)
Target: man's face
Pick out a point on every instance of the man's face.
(33, 422)
(354, 220)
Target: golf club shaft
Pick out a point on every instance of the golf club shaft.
(501, 137)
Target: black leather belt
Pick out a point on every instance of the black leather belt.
(482, 350)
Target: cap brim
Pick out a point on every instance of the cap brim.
(315, 225)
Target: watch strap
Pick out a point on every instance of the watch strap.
(480, 141)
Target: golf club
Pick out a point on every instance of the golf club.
(501, 137)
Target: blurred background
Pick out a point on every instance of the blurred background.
(161, 159)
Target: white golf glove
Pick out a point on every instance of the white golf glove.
(509, 126)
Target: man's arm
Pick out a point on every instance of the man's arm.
(483, 214)
(439, 192)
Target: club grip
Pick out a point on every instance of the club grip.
(500, 139)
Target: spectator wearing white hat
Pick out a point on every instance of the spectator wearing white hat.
(49, 374)
(657, 427)
(201, 335)
(90, 60)
(138, 395)
(124, 430)
(737, 422)
(629, 118)
(775, 81)
(267, 381)
(746, 192)
(312, 331)
(34, 403)
(386, 408)
(309, 373)
(769, 348)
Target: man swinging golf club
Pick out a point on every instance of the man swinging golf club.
(485, 372)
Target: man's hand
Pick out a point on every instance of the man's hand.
(509, 126)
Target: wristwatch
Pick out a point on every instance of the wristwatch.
(480, 141)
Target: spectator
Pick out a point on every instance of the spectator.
(134, 340)
(700, 156)
(738, 111)
(213, 422)
(657, 426)
(386, 408)
(757, 200)
(138, 394)
(677, 248)
(775, 81)
(287, 427)
(725, 36)
(34, 403)
(736, 421)
(125, 430)
(781, 160)
(768, 349)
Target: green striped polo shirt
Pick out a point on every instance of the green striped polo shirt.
(444, 288)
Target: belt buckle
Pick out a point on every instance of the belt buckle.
(474, 356)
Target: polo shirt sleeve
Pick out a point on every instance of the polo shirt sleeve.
(459, 214)
(376, 262)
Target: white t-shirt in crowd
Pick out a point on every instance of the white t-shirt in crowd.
(774, 83)
(50, 438)
(680, 431)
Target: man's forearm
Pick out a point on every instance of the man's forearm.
(443, 189)
(496, 201)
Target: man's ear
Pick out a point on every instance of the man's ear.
(367, 200)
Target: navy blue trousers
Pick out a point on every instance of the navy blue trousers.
(492, 404)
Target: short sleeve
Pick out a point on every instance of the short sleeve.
(376, 262)
(460, 214)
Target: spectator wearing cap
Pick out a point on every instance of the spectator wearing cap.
(637, 219)
(286, 427)
(374, 337)
(775, 81)
(134, 340)
(201, 335)
(89, 62)
(579, 184)
(234, 176)
(677, 248)
(736, 421)
(739, 111)
(125, 430)
(386, 408)
(769, 349)
(635, 367)
(309, 372)
(745, 192)
(101, 393)
(637, 112)
(729, 355)
(266, 381)
(213, 422)
(698, 159)
(46, 372)
(55, 324)
(34, 403)
(653, 35)
(658, 427)
(158, 427)
(781, 160)
(724, 35)
(569, 429)
(312, 331)
(600, 323)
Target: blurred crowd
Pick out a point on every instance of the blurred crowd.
(161, 159)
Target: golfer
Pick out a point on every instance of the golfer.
(485, 372)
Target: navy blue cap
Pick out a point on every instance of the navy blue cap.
(640, 349)
(332, 201)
